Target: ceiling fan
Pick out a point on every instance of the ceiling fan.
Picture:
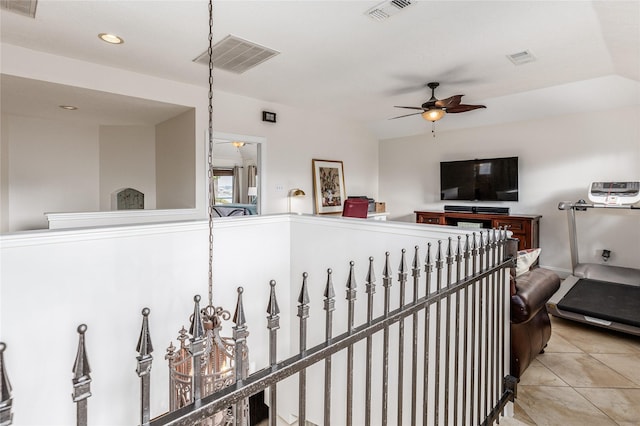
(434, 109)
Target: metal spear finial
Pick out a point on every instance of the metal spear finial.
(144, 346)
(6, 417)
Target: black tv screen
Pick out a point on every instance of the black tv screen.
(491, 179)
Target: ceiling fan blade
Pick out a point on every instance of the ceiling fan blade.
(449, 102)
(463, 108)
(401, 116)
(421, 109)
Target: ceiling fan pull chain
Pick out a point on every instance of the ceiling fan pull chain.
(433, 129)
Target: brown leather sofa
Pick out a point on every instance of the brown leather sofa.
(530, 324)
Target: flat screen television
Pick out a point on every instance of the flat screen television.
(490, 179)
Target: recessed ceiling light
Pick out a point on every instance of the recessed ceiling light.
(110, 38)
(68, 107)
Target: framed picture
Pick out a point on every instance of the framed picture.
(328, 186)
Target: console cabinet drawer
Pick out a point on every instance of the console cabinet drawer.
(429, 218)
(511, 225)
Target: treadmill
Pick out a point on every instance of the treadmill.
(602, 295)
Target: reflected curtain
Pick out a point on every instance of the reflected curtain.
(252, 172)
(236, 184)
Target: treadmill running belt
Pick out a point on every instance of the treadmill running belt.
(604, 300)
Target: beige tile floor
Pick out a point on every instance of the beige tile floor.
(587, 376)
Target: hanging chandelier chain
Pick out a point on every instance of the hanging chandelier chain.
(210, 154)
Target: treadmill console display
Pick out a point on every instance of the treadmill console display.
(615, 193)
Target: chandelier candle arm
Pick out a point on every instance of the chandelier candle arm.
(197, 349)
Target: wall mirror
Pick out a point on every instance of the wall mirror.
(238, 174)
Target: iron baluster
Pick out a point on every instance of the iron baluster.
(81, 378)
(370, 290)
(501, 310)
(439, 266)
(387, 281)
(428, 269)
(481, 321)
(303, 314)
(494, 319)
(447, 359)
(273, 324)
(465, 360)
(6, 401)
(329, 307)
(240, 333)
(351, 299)
(456, 349)
(402, 280)
(145, 348)
(415, 273)
(475, 390)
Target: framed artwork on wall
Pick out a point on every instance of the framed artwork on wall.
(328, 186)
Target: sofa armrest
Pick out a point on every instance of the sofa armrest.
(533, 290)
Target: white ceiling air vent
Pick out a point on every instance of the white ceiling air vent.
(521, 57)
(387, 8)
(236, 55)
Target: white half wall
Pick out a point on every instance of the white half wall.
(558, 158)
(52, 281)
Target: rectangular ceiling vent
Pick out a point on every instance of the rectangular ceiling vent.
(520, 58)
(23, 7)
(387, 9)
(236, 55)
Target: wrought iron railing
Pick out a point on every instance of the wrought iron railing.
(458, 318)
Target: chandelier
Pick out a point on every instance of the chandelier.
(204, 362)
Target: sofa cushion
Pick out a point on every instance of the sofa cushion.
(526, 258)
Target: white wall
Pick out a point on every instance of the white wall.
(18, 62)
(52, 167)
(175, 161)
(558, 159)
(127, 160)
(298, 137)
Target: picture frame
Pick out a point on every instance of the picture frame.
(328, 186)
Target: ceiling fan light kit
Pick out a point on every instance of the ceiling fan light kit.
(433, 114)
(434, 109)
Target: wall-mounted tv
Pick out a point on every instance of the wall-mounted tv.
(491, 179)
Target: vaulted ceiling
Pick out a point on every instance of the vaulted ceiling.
(335, 59)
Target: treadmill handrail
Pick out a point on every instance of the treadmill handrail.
(568, 205)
